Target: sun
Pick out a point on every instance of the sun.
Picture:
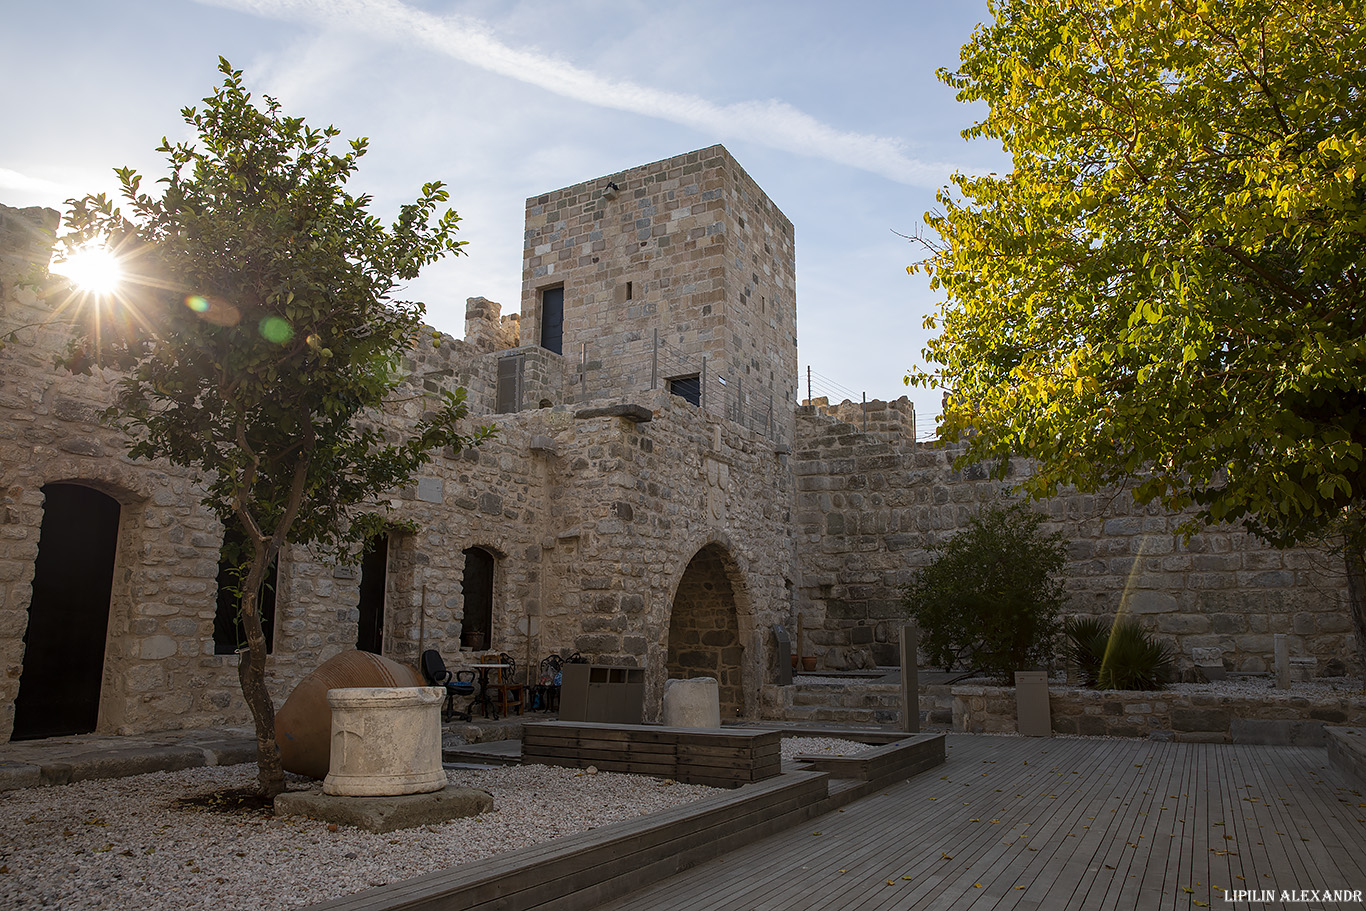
(93, 269)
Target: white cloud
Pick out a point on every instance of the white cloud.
(13, 180)
(772, 123)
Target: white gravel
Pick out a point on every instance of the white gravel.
(123, 844)
(814, 746)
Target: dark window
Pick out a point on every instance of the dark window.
(373, 567)
(228, 636)
(552, 319)
(510, 370)
(629, 290)
(68, 616)
(477, 589)
(688, 388)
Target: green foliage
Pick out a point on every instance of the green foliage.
(1118, 657)
(259, 339)
(1084, 641)
(990, 598)
(259, 327)
(1167, 285)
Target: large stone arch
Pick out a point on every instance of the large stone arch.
(710, 625)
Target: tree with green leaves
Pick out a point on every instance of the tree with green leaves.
(1166, 289)
(991, 596)
(260, 341)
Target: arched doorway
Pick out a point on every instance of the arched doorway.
(477, 589)
(374, 582)
(704, 631)
(68, 616)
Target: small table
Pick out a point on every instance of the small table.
(484, 699)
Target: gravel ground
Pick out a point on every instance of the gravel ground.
(809, 746)
(123, 843)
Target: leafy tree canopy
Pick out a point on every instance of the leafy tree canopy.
(1167, 287)
(259, 339)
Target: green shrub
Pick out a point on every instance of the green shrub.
(1118, 657)
(1084, 641)
(990, 598)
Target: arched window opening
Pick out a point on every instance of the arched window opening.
(228, 635)
(477, 588)
(374, 570)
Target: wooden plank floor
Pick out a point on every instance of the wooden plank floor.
(1021, 823)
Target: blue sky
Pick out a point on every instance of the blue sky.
(834, 110)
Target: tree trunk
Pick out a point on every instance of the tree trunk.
(1355, 554)
(251, 674)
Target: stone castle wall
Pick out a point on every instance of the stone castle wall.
(689, 246)
(627, 524)
(892, 422)
(867, 510)
(594, 519)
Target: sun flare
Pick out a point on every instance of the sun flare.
(93, 269)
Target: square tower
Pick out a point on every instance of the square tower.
(679, 274)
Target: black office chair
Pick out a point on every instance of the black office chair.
(457, 684)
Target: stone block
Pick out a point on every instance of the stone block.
(1200, 719)
(1151, 602)
(386, 814)
(386, 741)
(692, 703)
(1277, 732)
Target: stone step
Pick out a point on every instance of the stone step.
(841, 715)
(853, 700)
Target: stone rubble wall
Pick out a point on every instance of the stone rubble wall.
(1275, 717)
(867, 511)
(597, 516)
(710, 261)
(594, 520)
(892, 422)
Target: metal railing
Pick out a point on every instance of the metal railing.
(639, 360)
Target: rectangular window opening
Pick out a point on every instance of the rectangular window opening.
(552, 319)
(687, 388)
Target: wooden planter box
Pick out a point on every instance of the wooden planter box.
(721, 757)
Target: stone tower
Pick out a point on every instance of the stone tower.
(678, 274)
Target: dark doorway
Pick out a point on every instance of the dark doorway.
(552, 319)
(478, 592)
(59, 692)
(704, 632)
(374, 565)
(228, 636)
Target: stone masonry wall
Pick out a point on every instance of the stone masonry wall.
(709, 261)
(892, 422)
(593, 517)
(868, 509)
(1273, 716)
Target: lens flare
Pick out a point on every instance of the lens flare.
(93, 268)
(214, 311)
(276, 329)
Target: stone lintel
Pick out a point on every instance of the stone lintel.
(636, 414)
(386, 814)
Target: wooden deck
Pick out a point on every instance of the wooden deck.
(1059, 823)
